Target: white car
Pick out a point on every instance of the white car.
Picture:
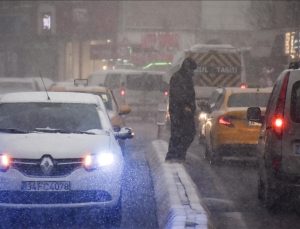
(142, 90)
(58, 150)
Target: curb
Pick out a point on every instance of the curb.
(177, 201)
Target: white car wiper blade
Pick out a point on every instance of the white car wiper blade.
(13, 130)
(82, 132)
(50, 130)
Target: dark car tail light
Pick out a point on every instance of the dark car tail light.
(224, 120)
(278, 121)
(5, 162)
(243, 85)
(276, 164)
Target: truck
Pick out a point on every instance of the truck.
(219, 65)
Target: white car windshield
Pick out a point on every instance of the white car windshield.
(64, 117)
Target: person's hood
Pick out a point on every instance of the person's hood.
(177, 62)
(59, 146)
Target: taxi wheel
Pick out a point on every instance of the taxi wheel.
(214, 159)
(205, 154)
(212, 156)
(260, 190)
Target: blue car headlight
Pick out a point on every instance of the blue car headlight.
(102, 159)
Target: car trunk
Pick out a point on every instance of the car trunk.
(242, 130)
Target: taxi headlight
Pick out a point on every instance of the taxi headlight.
(94, 161)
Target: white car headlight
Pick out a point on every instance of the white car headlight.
(105, 159)
(94, 161)
(202, 116)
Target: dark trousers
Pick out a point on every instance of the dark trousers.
(182, 135)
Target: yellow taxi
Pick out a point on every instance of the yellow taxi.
(114, 111)
(227, 131)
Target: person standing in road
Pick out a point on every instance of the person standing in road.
(266, 80)
(182, 110)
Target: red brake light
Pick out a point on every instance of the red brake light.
(278, 119)
(243, 85)
(278, 122)
(225, 121)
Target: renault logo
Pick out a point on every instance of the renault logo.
(46, 165)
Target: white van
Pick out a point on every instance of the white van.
(141, 90)
(279, 141)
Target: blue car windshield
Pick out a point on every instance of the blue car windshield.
(69, 117)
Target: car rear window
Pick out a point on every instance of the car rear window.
(70, 117)
(107, 100)
(295, 102)
(145, 82)
(113, 81)
(248, 100)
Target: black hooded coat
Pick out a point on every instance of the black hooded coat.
(182, 110)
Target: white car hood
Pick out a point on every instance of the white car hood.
(59, 146)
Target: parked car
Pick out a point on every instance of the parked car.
(115, 111)
(58, 150)
(142, 90)
(279, 140)
(227, 130)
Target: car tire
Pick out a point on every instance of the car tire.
(6, 218)
(211, 155)
(268, 197)
(215, 159)
(206, 153)
(114, 215)
(201, 139)
(260, 190)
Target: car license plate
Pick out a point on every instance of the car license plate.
(251, 123)
(50, 186)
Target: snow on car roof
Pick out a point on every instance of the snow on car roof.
(55, 97)
(203, 92)
(211, 46)
(125, 71)
(16, 79)
(79, 88)
(245, 90)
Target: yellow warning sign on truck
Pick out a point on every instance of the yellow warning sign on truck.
(218, 65)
